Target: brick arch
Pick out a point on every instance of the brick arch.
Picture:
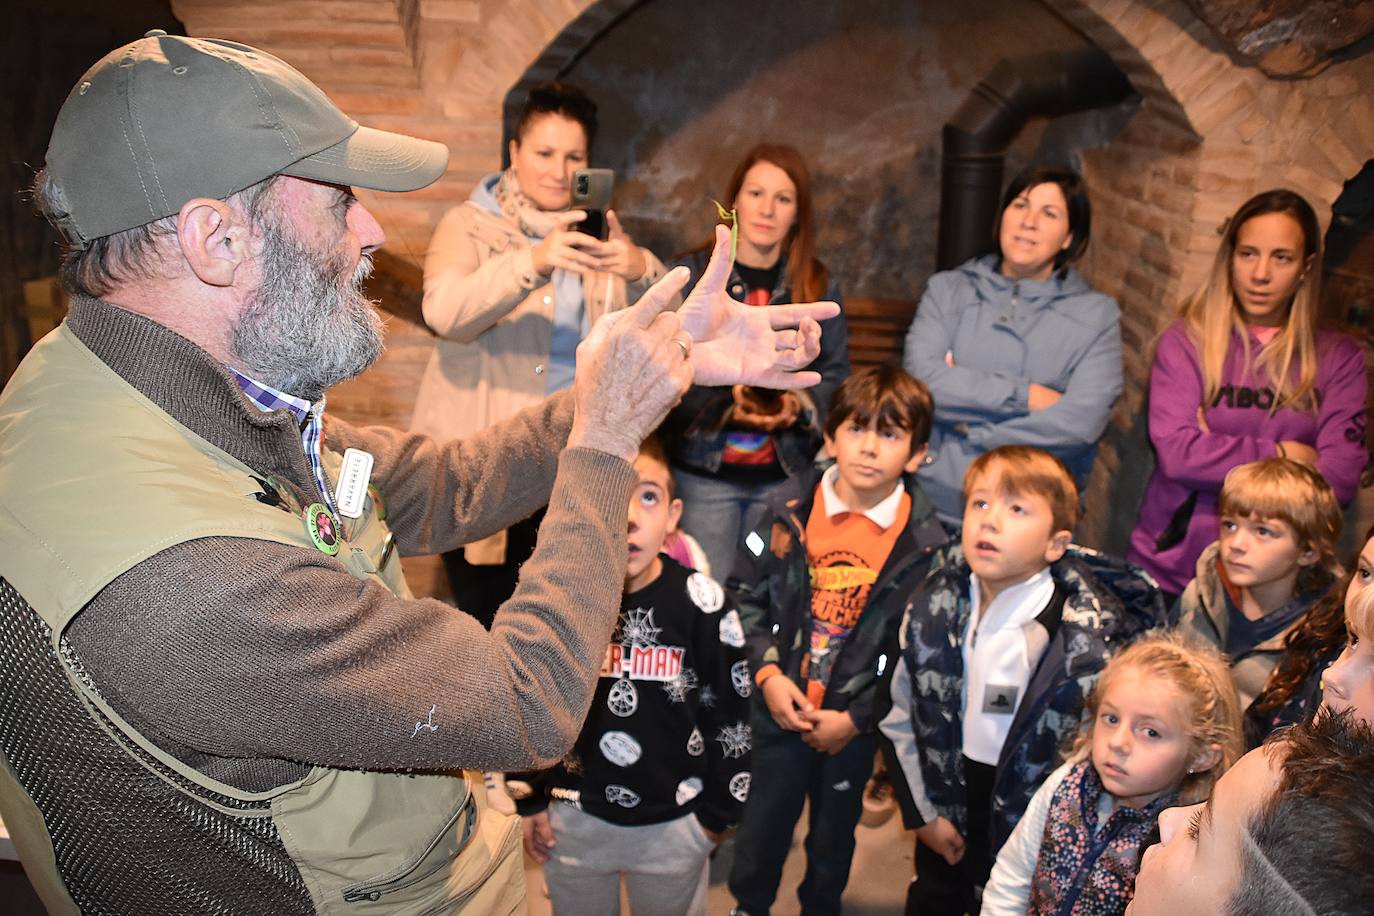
(1178, 97)
(1163, 143)
(574, 38)
(561, 53)
(1213, 130)
(1155, 159)
(533, 41)
(1135, 48)
(1191, 84)
(1121, 36)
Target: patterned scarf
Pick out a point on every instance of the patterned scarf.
(580, 297)
(1084, 869)
(519, 209)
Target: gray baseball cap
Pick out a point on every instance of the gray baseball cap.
(167, 119)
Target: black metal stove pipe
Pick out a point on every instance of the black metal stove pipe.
(976, 138)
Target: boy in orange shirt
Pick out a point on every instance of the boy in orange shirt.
(820, 585)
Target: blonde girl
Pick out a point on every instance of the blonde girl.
(1163, 725)
(1243, 374)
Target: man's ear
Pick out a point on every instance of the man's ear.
(916, 458)
(1205, 759)
(674, 514)
(1059, 542)
(213, 240)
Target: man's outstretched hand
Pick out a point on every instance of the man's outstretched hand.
(738, 344)
(631, 370)
(636, 364)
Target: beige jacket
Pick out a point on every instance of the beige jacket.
(493, 314)
(1205, 619)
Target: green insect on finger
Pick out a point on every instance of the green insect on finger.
(732, 218)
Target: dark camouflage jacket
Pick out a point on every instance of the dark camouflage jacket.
(772, 589)
(1106, 603)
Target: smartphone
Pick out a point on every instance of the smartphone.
(591, 191)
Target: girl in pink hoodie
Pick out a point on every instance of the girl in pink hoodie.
(1244, 374)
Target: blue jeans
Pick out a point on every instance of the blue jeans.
(787, 773)
(718, 513)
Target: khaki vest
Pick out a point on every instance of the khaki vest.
(81, 502)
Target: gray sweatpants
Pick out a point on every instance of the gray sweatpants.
(665, 866)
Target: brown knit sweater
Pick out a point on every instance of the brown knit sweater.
(250, 659)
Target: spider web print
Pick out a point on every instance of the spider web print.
(637, 627)
(734, 739)
(707, 697)
(740, 679)
(623, 698)
(678, 688)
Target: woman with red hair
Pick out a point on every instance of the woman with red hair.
(731, 448)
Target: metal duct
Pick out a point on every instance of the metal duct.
(976, 138)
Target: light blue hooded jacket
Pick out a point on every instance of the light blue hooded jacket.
(1004, 335)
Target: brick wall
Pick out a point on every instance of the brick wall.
(1209, 134)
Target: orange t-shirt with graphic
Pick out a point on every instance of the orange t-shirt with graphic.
(844, 555)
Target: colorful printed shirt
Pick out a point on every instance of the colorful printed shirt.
(844, 551)
(1072, 852)
(747, 447)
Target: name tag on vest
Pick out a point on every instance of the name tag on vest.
(353, 479)
(1000, 699)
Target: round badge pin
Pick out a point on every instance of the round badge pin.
(323, 528)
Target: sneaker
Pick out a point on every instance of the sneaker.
(879, 803)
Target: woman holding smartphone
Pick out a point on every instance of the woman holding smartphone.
(511, 287)
(731, 448)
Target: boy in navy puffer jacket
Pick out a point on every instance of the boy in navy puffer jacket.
(1001, 643)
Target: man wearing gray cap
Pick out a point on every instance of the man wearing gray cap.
(219, 694)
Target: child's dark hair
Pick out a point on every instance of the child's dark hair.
(1317, 632)
(556, 97)
(652, 447)
(887, 394)
(1306, 848)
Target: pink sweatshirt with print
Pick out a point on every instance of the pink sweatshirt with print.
(1240, 429)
